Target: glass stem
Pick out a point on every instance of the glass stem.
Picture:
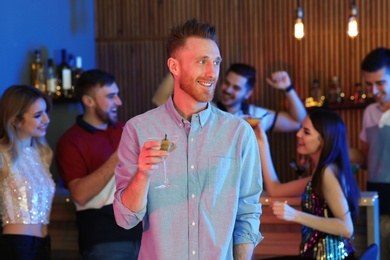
(166, 181)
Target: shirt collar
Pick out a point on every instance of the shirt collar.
(201, 118)
(203, 115)
(80, 121)
(88, 127)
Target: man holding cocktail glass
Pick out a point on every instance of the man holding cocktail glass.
(211, 208)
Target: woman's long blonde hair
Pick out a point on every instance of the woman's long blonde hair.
(13, 104)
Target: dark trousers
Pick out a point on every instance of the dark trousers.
(350, 257)
(23, 247)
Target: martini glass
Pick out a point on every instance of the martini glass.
(167, 144)
(252, 120)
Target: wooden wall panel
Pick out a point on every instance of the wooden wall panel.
(130, 40)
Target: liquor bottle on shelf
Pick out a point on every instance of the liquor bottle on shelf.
(316, 92)
(38, 72)
(51, 80)
(65, 77)
(335, 95)
(76, 73)
(315, 99)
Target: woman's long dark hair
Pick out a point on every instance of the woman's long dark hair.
(335, 151)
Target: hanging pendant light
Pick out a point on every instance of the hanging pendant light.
(299, 30)
(352, 24)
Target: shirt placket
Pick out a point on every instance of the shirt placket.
(193, 193)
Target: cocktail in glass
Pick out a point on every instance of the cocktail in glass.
(167, 144)
(253, 121)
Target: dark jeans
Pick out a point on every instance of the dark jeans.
(23, 247)
(127, 250)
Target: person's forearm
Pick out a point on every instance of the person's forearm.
(332, 226)
(243, 251)
(296, 108)
(270, 178)
(86, 188)
(134, 197)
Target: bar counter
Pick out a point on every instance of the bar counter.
(282, 238)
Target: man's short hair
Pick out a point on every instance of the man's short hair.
(246, 71)
(191, 28)
(91, 79)
(376, 60)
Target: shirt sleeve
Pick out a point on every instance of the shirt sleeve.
(247, 226)
(124, 217)
(128, 152)
(69, 159)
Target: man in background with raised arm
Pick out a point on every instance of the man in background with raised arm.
(237, 86)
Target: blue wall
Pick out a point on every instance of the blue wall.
(47, 25)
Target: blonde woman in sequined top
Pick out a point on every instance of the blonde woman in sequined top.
(329, 196)
(26, 185)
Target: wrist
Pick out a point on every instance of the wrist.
(143, 174)
(289, 88)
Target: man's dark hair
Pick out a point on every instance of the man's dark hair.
(377, 59)
(246, 71)
(91, 79)
(192, 28)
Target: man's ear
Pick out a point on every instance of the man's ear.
(88, 101)
(173, 66)
(249, 94)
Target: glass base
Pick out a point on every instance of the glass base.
(165, 186)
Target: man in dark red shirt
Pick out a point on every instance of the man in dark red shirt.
(86, 158)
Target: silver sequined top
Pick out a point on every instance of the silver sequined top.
(27, 191)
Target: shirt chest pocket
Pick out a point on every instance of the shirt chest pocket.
(223, 176)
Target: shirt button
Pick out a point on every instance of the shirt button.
(193, 223)
(193, 196)
(193, 252)
(192, 166)
(192, 139)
